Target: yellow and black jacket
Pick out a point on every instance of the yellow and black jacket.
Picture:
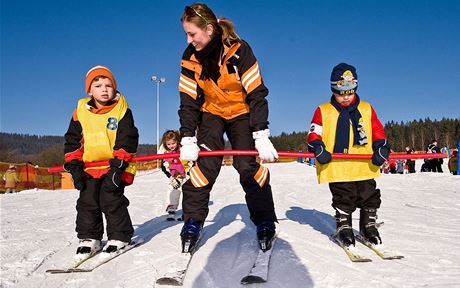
(239, 90)
(102, 134)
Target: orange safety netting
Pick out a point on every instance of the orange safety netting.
(31, 176)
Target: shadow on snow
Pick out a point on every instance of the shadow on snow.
(232, 258)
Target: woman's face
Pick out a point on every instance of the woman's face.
(197, 36)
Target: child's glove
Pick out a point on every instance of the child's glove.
(264, 146)
(175, 182)
(381, 152)
(319, 149)
(189, 150)
(112, 180)
(79, 176)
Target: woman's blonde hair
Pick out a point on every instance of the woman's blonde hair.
(201, 15)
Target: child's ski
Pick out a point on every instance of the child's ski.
(75, 264)
(351, 251)
(99, 259)
(103, 257)
(379, 249)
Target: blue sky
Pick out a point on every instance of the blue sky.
(407, 55)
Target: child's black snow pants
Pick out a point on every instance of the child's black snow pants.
(92, 203)
(347, 196)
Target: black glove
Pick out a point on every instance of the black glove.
(79, 176)
(321, 154)
(112, 180)
(381, 152)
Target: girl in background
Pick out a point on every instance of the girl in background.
(173, 169)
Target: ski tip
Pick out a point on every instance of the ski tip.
(169, 218)
(168, 281)
(80, 270)
(136, 241)
(69, 270)
(359, 260)
(393, 257)
(252, 279)
(57, 271)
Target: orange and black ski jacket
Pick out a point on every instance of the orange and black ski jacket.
(239, 89)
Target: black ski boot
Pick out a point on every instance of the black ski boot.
(367, 225)
(344, 229)
(190, 234)
(171, 210)
(265, 232)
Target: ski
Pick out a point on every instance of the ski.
(103, 258)
(177, 270)
(259, 270)
(380, 249)
(98, 259)
(171, 217)
(351, 251)
(75, 264)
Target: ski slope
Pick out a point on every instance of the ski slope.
(420, 214)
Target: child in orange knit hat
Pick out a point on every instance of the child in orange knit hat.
(101, 129)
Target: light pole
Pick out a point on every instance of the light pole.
(158, 80)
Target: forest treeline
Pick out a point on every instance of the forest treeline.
(49, 150)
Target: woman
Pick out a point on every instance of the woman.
(221, 92)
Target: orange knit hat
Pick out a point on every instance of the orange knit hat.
(99, 71)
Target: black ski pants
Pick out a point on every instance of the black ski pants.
(92, 203)
(347, 196)
(211, 137)
(436, 165)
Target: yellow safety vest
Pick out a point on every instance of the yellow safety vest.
(346, 170)
(100, 132)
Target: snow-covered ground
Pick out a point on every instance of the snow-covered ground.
(420, 211)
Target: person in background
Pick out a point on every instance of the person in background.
(174, 169)
(410, 162)
(11, 179)
(435, 163)
(425, 166)
(222, 92)
(453, 162)
(348, 125)
(385, 169)
(392, 165)
(400, 166)
(101, 129)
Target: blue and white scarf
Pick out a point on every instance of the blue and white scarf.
(342, 134)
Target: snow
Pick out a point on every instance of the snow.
(420, 214)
